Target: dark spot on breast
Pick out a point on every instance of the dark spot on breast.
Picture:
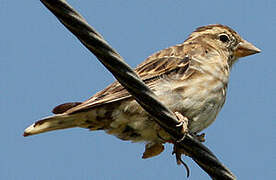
(88, 122)
(134, 134)
(108, 114)
(89, 127)
(98, 118)
(129, 131)
(92, 127)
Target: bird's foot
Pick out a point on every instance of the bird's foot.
(183, 122)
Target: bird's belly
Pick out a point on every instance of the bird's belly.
(203, 108)
(134, 124)
(204, 117)
(128, 120)
(131, 122)
(199, 99)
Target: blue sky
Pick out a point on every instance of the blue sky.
(43, 65)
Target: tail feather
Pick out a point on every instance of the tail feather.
(60, 121)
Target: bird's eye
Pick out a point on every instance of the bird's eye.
(223, 38)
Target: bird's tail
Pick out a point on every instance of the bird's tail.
(59, 121)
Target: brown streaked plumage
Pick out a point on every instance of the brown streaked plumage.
(190, 78)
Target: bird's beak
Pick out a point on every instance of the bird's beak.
(245, 49)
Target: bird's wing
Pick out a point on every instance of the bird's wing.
(150, 71)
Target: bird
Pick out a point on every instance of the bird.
(190, 78)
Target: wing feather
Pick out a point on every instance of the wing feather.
(150, 71)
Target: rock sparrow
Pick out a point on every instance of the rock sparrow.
(189, 78)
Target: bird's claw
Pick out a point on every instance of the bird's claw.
(183, 122)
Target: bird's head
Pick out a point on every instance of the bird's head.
(226, 40)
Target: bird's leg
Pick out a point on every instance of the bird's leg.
(153, 149)
(176, 149)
